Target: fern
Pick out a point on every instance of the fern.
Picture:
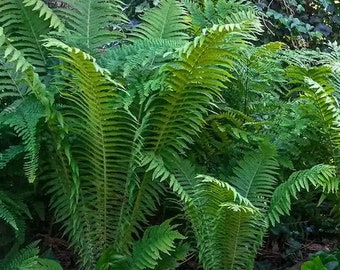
(319, 176)
(106, 152)
(317, 89)
(221, 219)
(27, 259)
(25, 22)
(24, 121)
(13, 215)
(210, 12)
(154, 52)
(91, 24)
(167, 21)
(9, 154)
(7, 216)
(152, 251)
(195, 81)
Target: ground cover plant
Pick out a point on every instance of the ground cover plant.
(177, 142)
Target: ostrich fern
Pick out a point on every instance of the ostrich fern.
(116, 153)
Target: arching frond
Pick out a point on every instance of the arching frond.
(25, 22)
(194, 82)
(13, 213)
(91, 23)
(228, 218)
(46, 12)
(153, 251)
(319, 176)
(24, 120)
(153, 53)
(7, 216)
(157, 241)
(167, 21)
(28, 258)
(316, 88)
(207, 13)
(9, 154)
(106, 149)
(255, 177)
(221, 218)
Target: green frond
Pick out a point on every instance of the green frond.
(106, 148)
(228, 218)
(319, 176)
(155, 250)
(166, 21)
(24, 120)
(27, 258)
(28, 76)
(209, 12)
(315, 87)
(194, 82)
(7, 216)
(11, 54)
(255, 177)
(222, 219)
(14, 211)
(46, 12)
(224, 225)
(156, 242)
(25, 22)
(153, 53)
(91, 24)
(9, 154)
(11, 85)
(183, 179)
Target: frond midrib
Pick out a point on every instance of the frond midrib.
(28, 21)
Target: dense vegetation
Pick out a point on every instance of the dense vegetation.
(179, 139)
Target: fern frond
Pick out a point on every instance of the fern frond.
(14, 212)
(319, 176)
(25, 22)
(228, 217)
(156, 249)
(91, 24)
(156, 242)
(153, 52)
(7, 216)
(28, 258)
(24, 121)
(210, 12)
(255, 177)
(167, 21)
(106, 150)
(223, 223)
(254, 181)
(13, 56)
(46, 12)
(194, 82)
(11, 85)
(9, 154)
(316, 88)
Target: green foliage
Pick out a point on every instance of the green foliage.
(155, 250)
(168, 21)
(207, 13)
(25, 22)
(91, 24)
(301, 23)
(322, 260)
(27, 259)
(123, 129)
(322, 176)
